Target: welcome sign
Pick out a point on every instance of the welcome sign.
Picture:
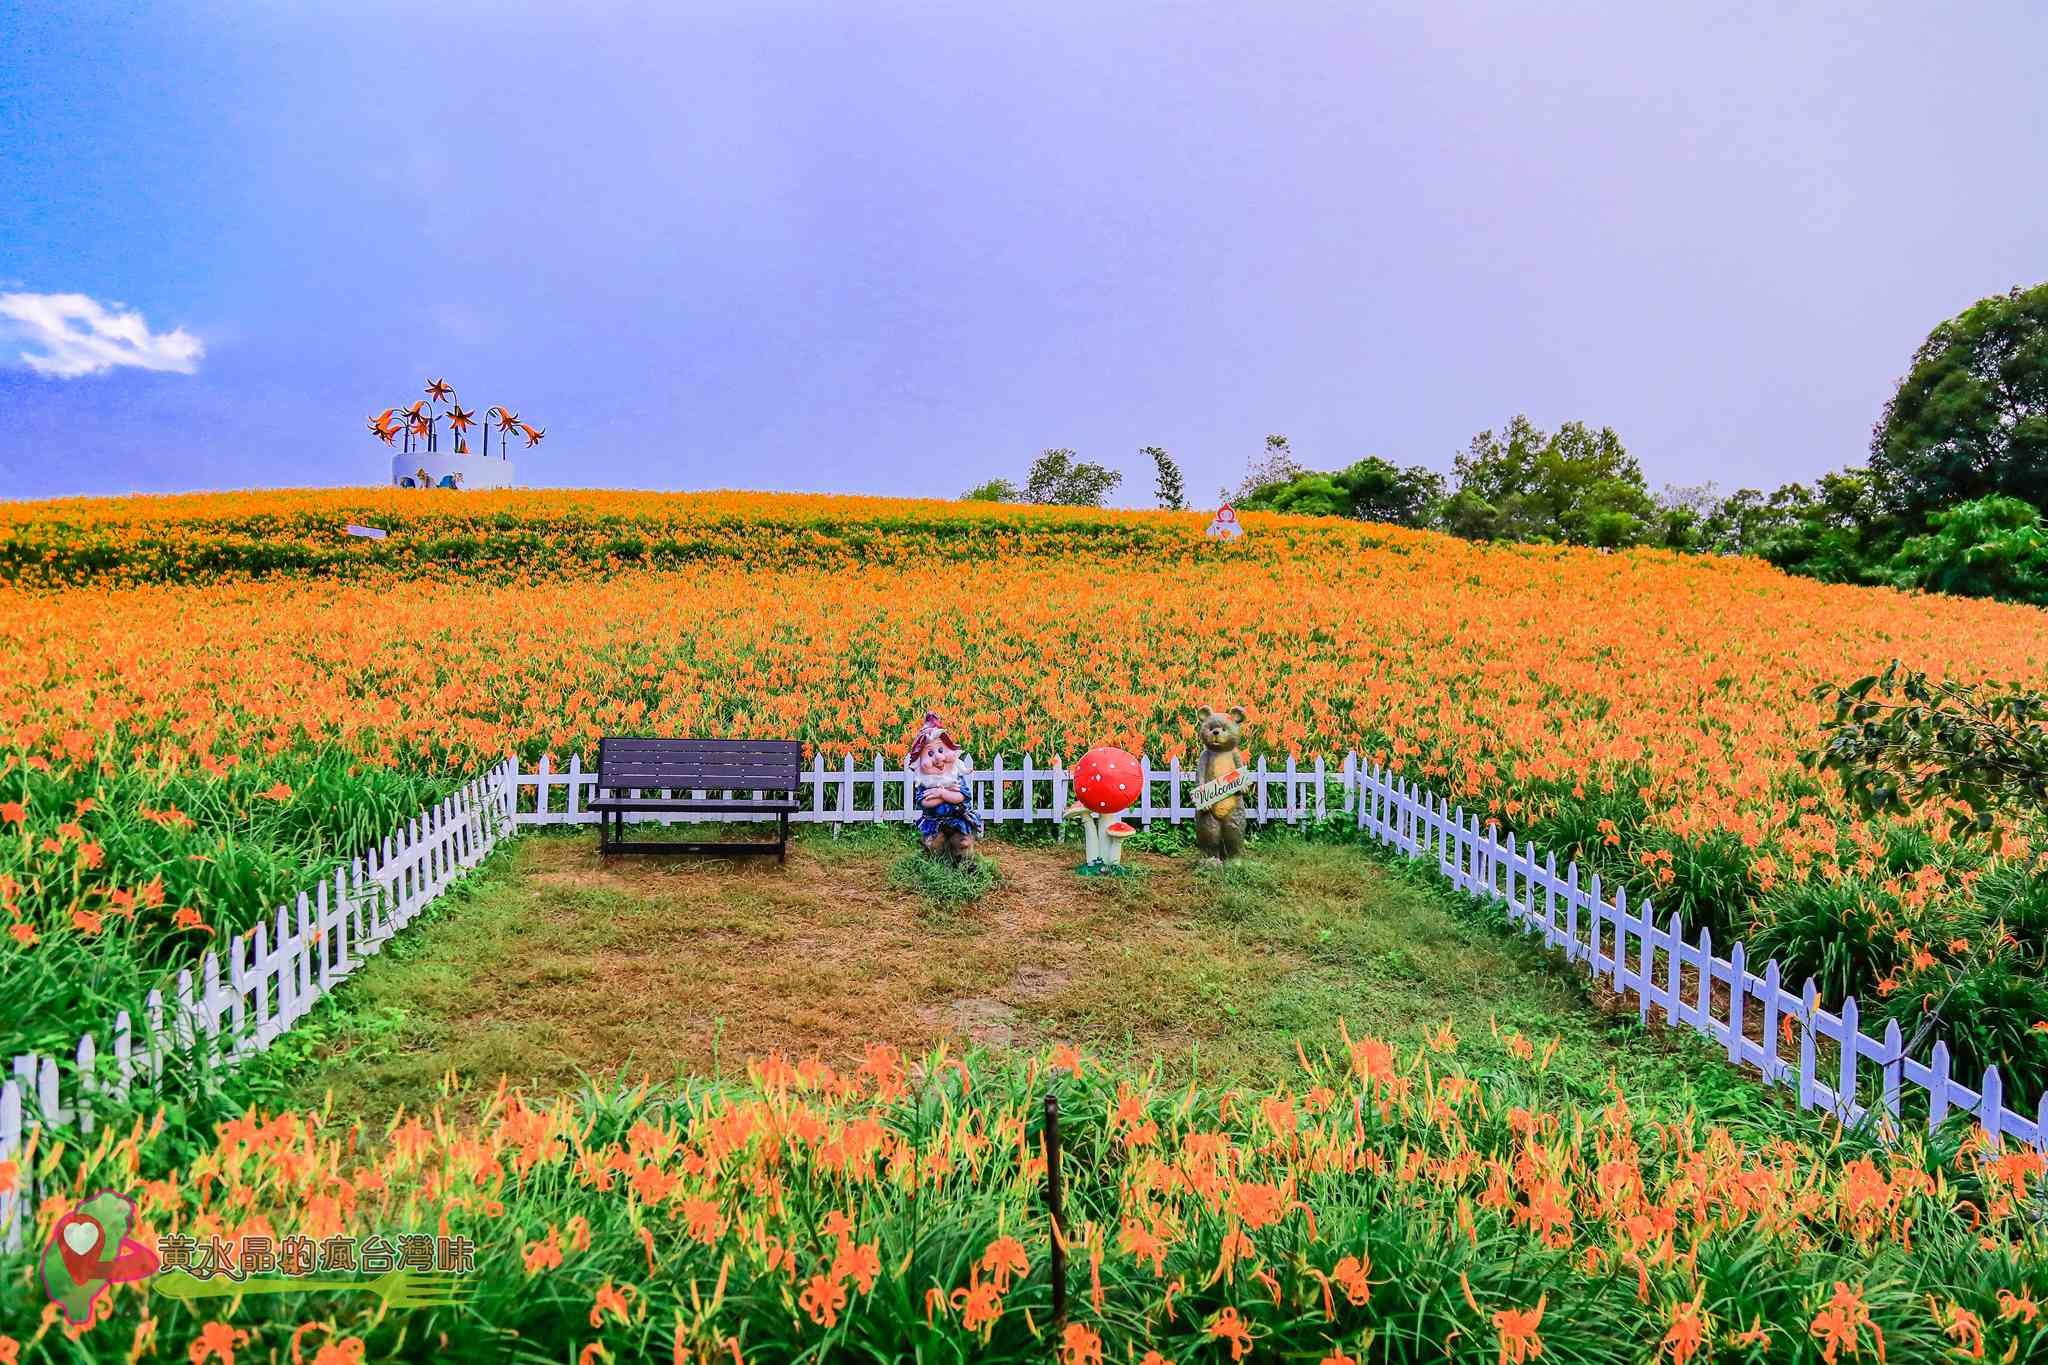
(1217, 789)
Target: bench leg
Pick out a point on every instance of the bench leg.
(782, 837)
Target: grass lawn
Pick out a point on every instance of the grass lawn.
(549, 965)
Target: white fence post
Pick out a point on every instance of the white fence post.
(1991, 1108)
(15, 1202)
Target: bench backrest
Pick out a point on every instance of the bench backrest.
(707, 764)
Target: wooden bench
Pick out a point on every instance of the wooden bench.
(630, 768)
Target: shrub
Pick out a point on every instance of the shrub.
(1593, 830)
(1988, 1014)
(1838, 933)
(943, 883)
(1706, 882)
(2016, 895)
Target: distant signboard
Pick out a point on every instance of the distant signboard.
(1225, 526)
(366, 532)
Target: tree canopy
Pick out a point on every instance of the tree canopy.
(1899, 740)
(1057, 477)
(1577, 485)
(1169, 488)
(1371, 489)
(1992, 547)
(1970, 419)
(995, 490)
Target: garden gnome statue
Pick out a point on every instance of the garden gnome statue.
(939, 772)
(1219, 811)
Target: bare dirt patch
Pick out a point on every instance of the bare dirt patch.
(633, 965)
(555, 965)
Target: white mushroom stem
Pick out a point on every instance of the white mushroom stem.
(1102, 847)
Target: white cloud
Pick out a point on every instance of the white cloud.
(74, 335)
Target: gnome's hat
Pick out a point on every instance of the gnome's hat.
(930, 731)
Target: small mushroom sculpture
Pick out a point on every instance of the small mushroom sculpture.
(1107, 782)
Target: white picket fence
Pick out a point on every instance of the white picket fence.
(1637, 957)
(271, 979)
(1625, 947)
(1006, 791)
(275, 975)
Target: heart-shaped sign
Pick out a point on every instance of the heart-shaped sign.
(78, 1241)
(89, 1250)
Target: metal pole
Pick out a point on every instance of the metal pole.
(1053, 1201)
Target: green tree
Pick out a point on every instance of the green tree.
(1900, 740)
(1970, 418)
(1746, 520)
(1169, 487)
(1467, 515)
(1305, 495)
(1372, 490)
(1275, 465)
(1057, 477)
(1836, 531)
(1578, 486)
(1992, 547)
(995, 490)
(1396, 494)
(1682, 516)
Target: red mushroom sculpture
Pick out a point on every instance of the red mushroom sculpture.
(1107, 782)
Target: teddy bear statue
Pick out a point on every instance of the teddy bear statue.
(1219, 818)
(939, 771)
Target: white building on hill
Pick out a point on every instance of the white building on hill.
(443, 469)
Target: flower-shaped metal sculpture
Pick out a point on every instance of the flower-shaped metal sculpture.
(420, 423)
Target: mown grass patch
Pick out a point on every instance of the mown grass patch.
(947, 886)
(551, 967)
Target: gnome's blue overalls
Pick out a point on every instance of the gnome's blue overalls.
(940, 772)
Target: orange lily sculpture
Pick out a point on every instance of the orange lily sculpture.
(422, 418)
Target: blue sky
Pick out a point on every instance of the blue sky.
(900, 249)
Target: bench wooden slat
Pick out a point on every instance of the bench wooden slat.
(625, 774)
(701, 763)
(692, 804)
(628, 764)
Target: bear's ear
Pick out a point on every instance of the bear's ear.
(1206, 712)
(1237, 714)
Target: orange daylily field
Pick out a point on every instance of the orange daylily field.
(1643, 712)
(212, 697)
